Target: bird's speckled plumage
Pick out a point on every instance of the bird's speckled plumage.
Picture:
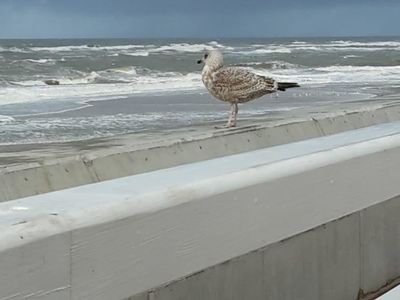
(235, 85)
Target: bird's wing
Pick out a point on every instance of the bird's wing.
(241, 84)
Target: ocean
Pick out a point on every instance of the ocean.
(116, 86)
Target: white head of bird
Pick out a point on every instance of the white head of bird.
(212, 60)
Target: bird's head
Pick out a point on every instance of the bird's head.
(213, 59)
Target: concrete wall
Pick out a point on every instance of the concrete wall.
(307, 220)
(95, 166)
(327, 262)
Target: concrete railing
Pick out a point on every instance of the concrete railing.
(316, 219)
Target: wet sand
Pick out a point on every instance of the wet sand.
(11, 155)
(204, 103)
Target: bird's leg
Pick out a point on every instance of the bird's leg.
(231, 116)
(235, 112)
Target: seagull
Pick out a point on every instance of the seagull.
(236, 85)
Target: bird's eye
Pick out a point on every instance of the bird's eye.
(205, 56)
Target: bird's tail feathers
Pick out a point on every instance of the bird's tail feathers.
(282, 86)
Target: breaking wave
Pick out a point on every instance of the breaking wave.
(120, 82)
(6, 119)
(253, 49)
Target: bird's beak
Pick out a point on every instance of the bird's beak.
(199, 61)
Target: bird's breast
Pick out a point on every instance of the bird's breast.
(208, 80)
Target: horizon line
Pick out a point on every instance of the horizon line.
(203, 38)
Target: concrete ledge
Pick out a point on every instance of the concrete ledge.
(307, 220)
(134, 158)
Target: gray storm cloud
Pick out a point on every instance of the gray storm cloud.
(207, 18)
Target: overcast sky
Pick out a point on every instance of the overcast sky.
(205, 18)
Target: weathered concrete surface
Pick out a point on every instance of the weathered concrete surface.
(381, 257)
(307, 220)
(326, 262)
(31, 170)
(41, 269)
(300, 267)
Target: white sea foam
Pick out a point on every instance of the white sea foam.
(72, 48)
(345, 46)
(13, 49)
(99, 85)
(345, 49)
(130, 70)
(366, 69)
(15, 84)
(333, 46)
(275, 64)
(121, 47)
(307, 48)
(134, 53)
(6, 119)
(186, 47)
(266, 51)
(41, 61)
(142, 50)
(338, 74)
(259, 49)
(351, 56)
(365, 44)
